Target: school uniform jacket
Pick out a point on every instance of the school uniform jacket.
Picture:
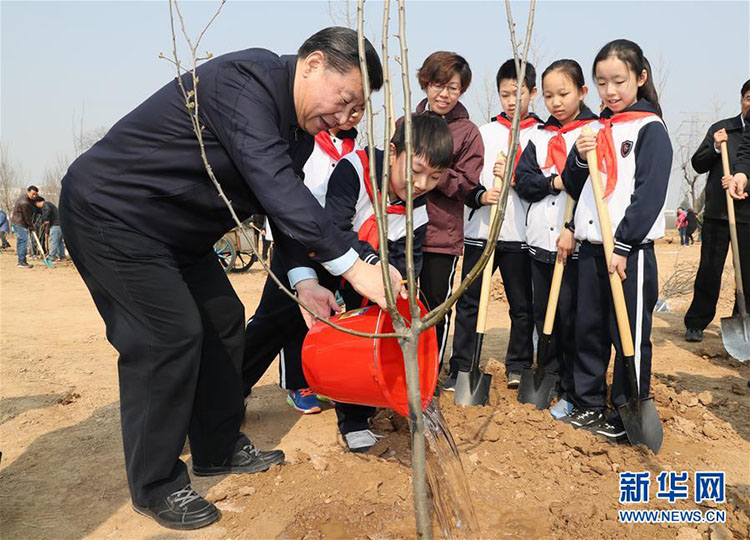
(147, 171)
(534, 174)
(512, 236)
(636, 203)
(320, 164)
(349, 205)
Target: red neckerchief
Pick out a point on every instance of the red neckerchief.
(527, 122)
(606, 155)
(323, 139)
(368, 232)
(557, 151)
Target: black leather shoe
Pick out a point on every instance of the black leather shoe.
(247, 459)
(694, 335)
(184, 510)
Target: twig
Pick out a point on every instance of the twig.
(380, 198)
(191, 102)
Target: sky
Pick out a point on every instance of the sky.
(64, 64)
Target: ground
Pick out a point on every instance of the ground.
(62, 473)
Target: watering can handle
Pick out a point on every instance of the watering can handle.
(732, 222)
(618, 295)
(484, 297)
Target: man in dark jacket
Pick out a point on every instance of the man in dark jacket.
(140, 216)
(23, 221)
(715, 231)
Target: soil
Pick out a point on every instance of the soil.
(62, 472)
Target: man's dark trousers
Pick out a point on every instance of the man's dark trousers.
(178, 326)
(515, 270)
(277, 327)
(714, 249)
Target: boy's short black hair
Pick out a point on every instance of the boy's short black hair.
(32, 188)
(745, 88)
(431, 139)
(38, 198)
(508, 71)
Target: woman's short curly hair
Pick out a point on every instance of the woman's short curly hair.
(439, 68)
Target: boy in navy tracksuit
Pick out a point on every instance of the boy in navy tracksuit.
(349, 203)
(277, 326)
(548, 236)
(635, 157)
(510, 253)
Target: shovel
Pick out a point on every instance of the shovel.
(735, 330)
(639, 416)
(537, 384)
(473, 386)
(45, 260)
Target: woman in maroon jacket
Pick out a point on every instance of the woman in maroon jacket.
(444, 77)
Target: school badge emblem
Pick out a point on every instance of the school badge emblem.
(626, 147)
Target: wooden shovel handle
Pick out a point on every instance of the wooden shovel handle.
(557, 275)
(618, 296)
(484, 297)
(732, 222)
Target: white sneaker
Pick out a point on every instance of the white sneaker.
(361, 441)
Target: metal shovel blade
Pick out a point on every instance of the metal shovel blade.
(472, 388)
(639, 416)
(48, 262)
(735, 333)
(642, 423)
(538, 385)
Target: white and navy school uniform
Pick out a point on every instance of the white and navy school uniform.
(350, 205)
(641, 156)
(277, 327)
(510, 256)
(543, 158)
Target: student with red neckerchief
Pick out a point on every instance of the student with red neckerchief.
(277, 327)
(510, 253)
(634, 155)
(548, 235)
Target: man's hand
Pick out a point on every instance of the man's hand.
(491, 196)
(585, 143)
(618, 265)
(735, 185)
(719, 137)
(367, 280)
(316, 297)
(566, 244)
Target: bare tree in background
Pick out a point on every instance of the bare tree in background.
(488, 102)
(341, 13)
(11, 180)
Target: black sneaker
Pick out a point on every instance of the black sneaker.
(694, 335)
(247, 459)
(25, 265)
(584, 417)
(184, 510)
(450, 383)
(611, 429)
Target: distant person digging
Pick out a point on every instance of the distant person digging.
(23, 222)
(715, 230)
